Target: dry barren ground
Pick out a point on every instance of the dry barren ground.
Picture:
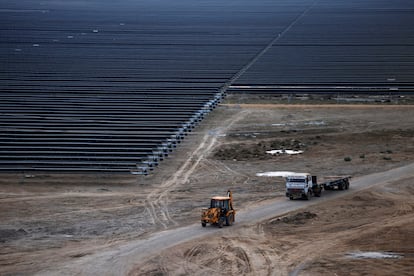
(369, 233)
(52, 219)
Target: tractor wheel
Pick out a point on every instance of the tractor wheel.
(220, 223)
(229, 220)
(203, 223)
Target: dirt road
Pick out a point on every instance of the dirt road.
(120, 260)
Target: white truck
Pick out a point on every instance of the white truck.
(302, 185)
(305, 185)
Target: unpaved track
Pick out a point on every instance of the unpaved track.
(121, 259)
(157, 201)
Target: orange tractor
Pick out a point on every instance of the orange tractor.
(220, 212)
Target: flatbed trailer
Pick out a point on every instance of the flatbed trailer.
(304, 185)
(338, 183)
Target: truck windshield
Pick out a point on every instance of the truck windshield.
(296, 180)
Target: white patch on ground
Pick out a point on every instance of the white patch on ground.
(373, 255)
(311, 123)
(315, 123)
(217, 133)
(282, 151)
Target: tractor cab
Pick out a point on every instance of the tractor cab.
(222, 202)
(220, 212)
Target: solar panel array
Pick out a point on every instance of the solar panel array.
(103, 85)
(348, 46)
(116, 85)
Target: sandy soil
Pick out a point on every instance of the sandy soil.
(354, 235)
(50, 219)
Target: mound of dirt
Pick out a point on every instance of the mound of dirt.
(298, 218)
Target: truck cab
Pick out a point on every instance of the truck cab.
(302, 185)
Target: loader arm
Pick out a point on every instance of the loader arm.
(230, 195)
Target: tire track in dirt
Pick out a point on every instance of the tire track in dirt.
(219, 168)
(260, 261)
(189, 257)
(230, 254)
(156, 203)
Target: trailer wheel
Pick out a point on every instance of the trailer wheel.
(291, 197)
(317, 191)
(341, 186)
